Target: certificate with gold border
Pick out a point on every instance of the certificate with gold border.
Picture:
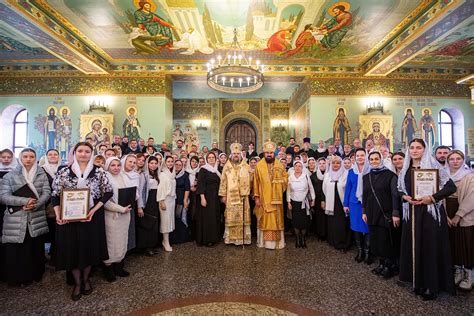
(425, 182)
(75, 204)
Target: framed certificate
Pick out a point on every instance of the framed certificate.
(75, 204)
(425, 182)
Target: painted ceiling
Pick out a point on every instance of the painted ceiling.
(369, 36)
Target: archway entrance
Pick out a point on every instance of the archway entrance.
(239, 131)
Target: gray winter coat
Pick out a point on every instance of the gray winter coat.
(14, 225)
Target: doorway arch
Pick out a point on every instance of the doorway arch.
(240, 131)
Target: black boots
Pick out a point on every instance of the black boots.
(119, 270)
(379, 268)
(358, 240)
(109, 274)
(367, 258)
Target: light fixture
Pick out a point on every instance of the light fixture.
(235, 73)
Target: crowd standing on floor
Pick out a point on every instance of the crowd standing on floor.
(344, 194)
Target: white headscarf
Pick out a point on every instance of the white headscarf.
(319, 173)
(427, 162)
(131, 178)
(82, 177)
(29, 175)
(210, 168)
(329, 183)
(9, 167)
(335, 175)
(50, 168)
(113, 179)
(192, 172)
(360, 175)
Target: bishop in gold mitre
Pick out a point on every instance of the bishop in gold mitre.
(235, 190)
(270, 181)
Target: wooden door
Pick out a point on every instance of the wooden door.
(240, 132)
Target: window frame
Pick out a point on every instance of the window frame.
(441, 123)
(15, 123)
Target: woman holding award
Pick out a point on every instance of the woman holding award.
(425, 260)
(81, 243)
(25, 190)
(117, 219)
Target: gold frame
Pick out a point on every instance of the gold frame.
(86, 205)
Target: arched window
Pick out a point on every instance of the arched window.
(445, 129)
(20, 131)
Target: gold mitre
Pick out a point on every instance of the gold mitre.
(269, 146)
(235, 148)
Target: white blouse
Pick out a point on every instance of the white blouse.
(298, 188)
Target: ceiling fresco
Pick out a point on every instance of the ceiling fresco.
(315, 31)
(370, 37)
(456, 49)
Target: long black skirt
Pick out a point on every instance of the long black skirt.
(339, 231)
(433, 264)
(148, 233)
(24, 263)
(208, 222)
(181, 233)
(461, 238)
(81, 244)
(299, 218)
(320, 220)
(384, 241)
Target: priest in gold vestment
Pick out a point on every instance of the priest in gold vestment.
(235, 190)
(270, 181)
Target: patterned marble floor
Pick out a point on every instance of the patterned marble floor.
(316, 279)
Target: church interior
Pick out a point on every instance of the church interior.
(226, 71)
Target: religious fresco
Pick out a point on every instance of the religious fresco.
(131, 125)
(456, 49)
(377, 128)
(427, 128)
(409, 128)
(99, 127)
(329, 31)
(341, 127)
(55, 127)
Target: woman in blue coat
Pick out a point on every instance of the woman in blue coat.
(353, 205)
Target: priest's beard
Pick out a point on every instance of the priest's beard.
(270, 159)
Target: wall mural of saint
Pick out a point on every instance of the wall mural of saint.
(93, 126)
(64, 132)
(409, 127)
(51, 125)
(341, 127)
(131, 125)
(377, 128)
(428, 128)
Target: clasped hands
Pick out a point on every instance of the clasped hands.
(425, 200)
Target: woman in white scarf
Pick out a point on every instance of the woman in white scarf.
(353, 204)
(80, 245)
(166, 196)
(300, 197)
(25, 222)
(334, 185)
(117, 222)
(8, 162)
(460, 209)
(319, 218)
(51, 163)
(132, 179)
(433, 266)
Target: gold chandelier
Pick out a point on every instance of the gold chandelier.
(235, 73)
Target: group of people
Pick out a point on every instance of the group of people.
(143, 198)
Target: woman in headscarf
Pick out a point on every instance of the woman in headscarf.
(192, 169)
(117, 222)
(8, 162)
(433, 265)
(253, 219)
(300, 197)
(353, 205)
(397, 161)
(132, 178)
(50, 166)
(208, 213)
(148, 222)
(81, 245)
(181, 233)
(460, 208)
(381, 212)
(334, 185)
(320, 220)
(166, 197)
(25, 190)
